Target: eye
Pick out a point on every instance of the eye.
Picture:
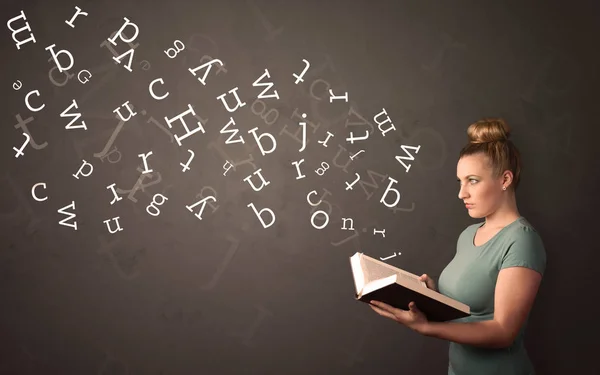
(472, 179)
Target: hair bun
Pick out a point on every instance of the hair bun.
(488, 130)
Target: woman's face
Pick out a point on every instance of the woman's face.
(478, 188)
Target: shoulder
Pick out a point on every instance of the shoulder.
(524, 247)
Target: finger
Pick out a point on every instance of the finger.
(383, 312)
(383, 306)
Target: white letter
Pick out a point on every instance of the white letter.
(17, 86)
(379, 123)
(237, 98)
(312, 219)
(70, 216)
(230, 166)
(268, 84)
(262, 150)
(152, 90)
(209, 66)
(232, 131)
(264, 183)
(332, 97)
(55, 57)
(80, 171)
(107, 222)
(117, 198)
(20, 150)
(409, 157)
(33, 192)
(75, 116)
(130, 52)
(144, 156)
(29, 105)
(324, 143)
(299, 77)
(78, 12)
(180, 118)
(119, 34)
(382, 200)
(349, 186)
(118, 111)
(297, 164)
(352, 138)
(308, 199)
(382, 232)
(15, 32)
(251, 205)
(186, 166)
(87, 79)
(303, 125)
(176, 52)
(152, 205)
(204, 202)
(351, 223)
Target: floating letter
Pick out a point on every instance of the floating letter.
(55, 57)
(29, 105)
(232, 131)
(389, 187)
(268, 86)
(15, 32)
(69, 216)
(80, 171)
(299, 77)
(107, 222)
(152, 90)
(251, 205)
(409, 157)
(204, 202)
(131, 113)
(264, 183)
(207, 65)
(75, 116)
(33, 192)
(20, 150)
(180, 118)
(77, 13)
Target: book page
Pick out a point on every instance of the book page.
(374, 271)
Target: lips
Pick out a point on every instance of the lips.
(468, 205)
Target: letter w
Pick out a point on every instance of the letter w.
(69, 216)
(75, 115)
(233, 131)
(409, 157)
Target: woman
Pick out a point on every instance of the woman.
(497, 268)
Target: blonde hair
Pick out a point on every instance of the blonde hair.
(490, 136)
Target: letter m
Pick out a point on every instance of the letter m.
(9, 24)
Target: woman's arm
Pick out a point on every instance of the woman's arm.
(515, 293)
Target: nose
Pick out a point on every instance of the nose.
(462, 193)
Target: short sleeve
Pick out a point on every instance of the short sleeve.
(527, 250)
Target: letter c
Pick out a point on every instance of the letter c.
(29, 105)
(152, 91)
(308, 198)
(33, 192)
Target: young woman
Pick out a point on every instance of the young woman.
(497, 268)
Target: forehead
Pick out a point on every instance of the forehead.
(472, 164)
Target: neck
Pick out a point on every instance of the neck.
(506, 213)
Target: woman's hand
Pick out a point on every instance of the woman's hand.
(429, 281)
(413, 318)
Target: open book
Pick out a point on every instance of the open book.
(379, 281)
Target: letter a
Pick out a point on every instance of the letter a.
(75, 116)
(15, 32)
(69, 216)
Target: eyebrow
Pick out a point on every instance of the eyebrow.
(471, 175)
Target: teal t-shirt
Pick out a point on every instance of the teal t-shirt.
(471, 278)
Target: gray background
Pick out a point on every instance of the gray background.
(173, 294)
